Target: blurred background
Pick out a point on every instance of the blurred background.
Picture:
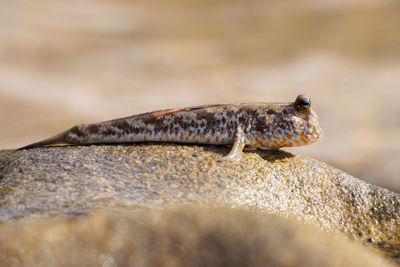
(64, 63)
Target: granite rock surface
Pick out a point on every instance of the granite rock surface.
(189, 236)
(81, 179)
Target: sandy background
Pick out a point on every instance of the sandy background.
(64, 63)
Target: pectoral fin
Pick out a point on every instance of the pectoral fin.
(238, 144)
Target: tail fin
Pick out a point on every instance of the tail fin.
(59, 138)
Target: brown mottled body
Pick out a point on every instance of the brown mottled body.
(260, 125)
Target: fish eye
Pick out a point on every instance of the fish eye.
(302, 103)
(305, 103)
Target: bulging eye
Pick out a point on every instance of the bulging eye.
(306, 103)
(302, 103)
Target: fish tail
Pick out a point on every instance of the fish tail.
(59, 138)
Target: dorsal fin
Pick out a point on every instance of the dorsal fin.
(171, 111)
(160, 113)
(168, 112)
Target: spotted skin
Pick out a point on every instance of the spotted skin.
(257, 125)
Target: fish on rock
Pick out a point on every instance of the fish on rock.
(256, 125)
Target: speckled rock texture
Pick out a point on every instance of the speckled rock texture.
(191, 236)
(76, 179)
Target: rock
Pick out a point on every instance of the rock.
(79, 179)
(178, 237)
